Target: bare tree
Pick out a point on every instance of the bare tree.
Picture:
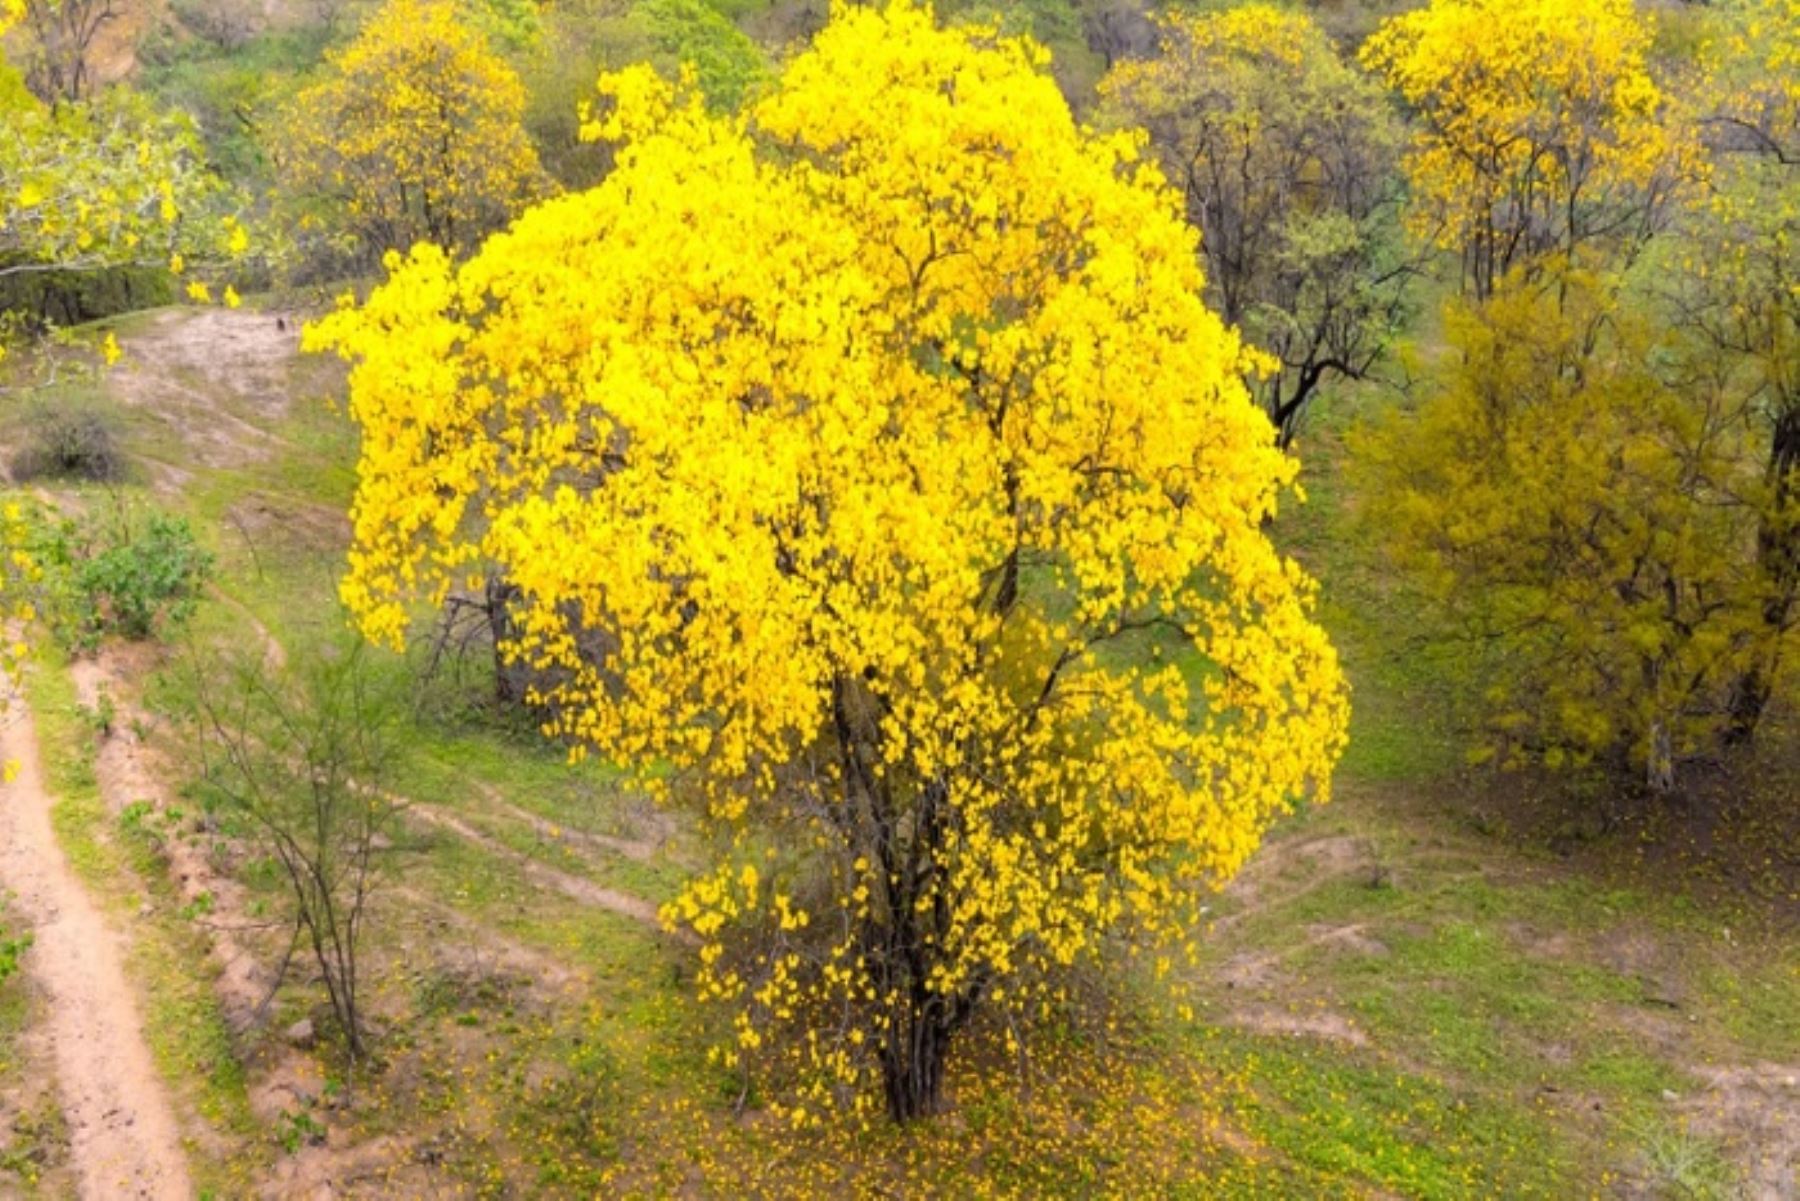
(1117, 30)
(303, 759)
(61, 66)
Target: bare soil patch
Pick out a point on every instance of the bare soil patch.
(217, 379)
(1755, 1111)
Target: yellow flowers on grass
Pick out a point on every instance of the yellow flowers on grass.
(877, 434)
(18, 571)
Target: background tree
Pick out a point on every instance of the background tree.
(585, 37)
(1732, 278)
(59, 63)
(1118, 30)
(109, 186)
(1575, 494)
(111, 183)
(413, 135)
(1286, 158)
(1542, 131)
(886, 432)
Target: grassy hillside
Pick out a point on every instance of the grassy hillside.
(1393, 1000)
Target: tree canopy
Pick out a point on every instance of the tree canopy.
(1579, 492)
(838, 450)
(414, 134)
(1286, 157)
(87, 185)
(1542, 130)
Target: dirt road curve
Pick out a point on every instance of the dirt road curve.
(124, 1140)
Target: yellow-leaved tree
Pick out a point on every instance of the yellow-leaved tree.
(1732, 277)
(97, 184)
(1579, 494)
(415, 134)
(875, 478)
(1541, 129)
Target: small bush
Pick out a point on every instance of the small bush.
(10, 950)
(303, 759)
(121, 572)
(70, 440)
(152, 575)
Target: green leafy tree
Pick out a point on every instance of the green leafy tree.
(106, 184)
(101, 185)
(1286, 157)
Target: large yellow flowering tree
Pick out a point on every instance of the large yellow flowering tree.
(874, 475)
(1541, 130)
(414, 134)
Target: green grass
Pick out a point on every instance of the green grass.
(1509, 1008)
(35, 1139)
(1404, 695)
(1346, 1122)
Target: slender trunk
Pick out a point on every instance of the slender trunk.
(508, 684)
(1659, 770)
(912, 1063)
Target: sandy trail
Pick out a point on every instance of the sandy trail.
(124, 1139)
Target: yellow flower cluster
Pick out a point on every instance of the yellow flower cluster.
(869, 467)
(415, 133)
(1540, 125)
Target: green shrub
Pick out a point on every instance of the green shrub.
(10, 950)
(120, 572)
(727, 64)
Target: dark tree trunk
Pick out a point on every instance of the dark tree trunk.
(905, 934)
(1778, 560)
(509, 683)
(913, 1066)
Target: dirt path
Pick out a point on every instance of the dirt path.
(124, 1139)
(576, 888)
(124, 773)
